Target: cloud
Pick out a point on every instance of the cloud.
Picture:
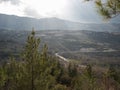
(75, 10)
(14, 2)
(31, 12)
(83, 11)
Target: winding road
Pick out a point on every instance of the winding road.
(66, 61)
(61, 57)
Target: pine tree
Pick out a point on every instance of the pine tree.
(31, 57)
(3, 77)
(38, 65)
(72, 70)
(108, 8)
(90, 78)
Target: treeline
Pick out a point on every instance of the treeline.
(36, 70)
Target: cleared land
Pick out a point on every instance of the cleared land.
(88, 47)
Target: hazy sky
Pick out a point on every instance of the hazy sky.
(75, 10)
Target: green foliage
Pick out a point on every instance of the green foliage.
(2, 76)
(37, 70)
(112, 73)
(72, 70)
(109, 8)
(60, 87)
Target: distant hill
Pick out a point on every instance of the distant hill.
(11, 22)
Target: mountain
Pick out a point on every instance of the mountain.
(11, 22)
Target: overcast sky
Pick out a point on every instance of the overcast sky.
(75, 10)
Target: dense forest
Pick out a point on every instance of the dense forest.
(38, 70)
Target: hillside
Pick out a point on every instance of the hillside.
(25, 23)
(38, 70)
(84, 46)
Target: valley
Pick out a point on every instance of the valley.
(87, 47)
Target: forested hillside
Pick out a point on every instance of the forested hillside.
(38, 70)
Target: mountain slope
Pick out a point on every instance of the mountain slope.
(12, 22)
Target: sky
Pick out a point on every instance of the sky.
(74, 10)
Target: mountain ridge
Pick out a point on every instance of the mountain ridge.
(12, 22)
